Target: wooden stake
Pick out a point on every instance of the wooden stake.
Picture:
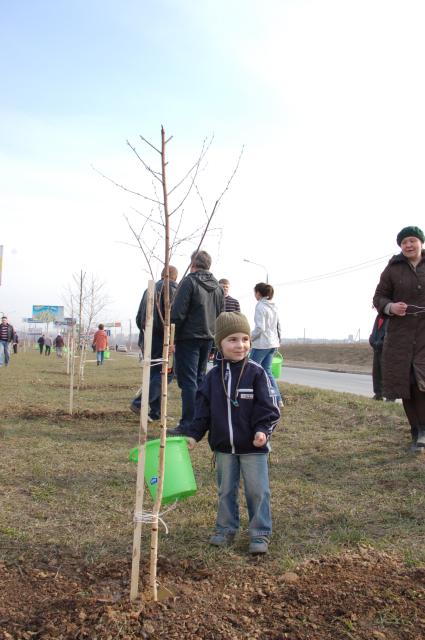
(143, 432)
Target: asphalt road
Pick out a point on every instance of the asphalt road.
(357, 383)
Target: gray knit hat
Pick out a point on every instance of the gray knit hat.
(408, 232)
(230, 322)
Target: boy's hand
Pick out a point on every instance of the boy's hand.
(260, 439)
(191, 442)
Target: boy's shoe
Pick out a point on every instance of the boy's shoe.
(259, 545)
(222, 539)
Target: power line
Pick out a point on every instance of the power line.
(338, 272)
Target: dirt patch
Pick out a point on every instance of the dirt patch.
(363, 595)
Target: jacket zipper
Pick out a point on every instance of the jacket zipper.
(229, 407)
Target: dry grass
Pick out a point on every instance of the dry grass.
(358, 355)
(340, 472)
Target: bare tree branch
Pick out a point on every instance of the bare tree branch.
(121, 186)
(204, 150)
(150, 144)
(156, 174)
(140, 246)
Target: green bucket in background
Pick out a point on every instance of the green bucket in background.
(277, 363)
(179, 481)
(106, 354)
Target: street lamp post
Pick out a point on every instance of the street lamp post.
(257, 264)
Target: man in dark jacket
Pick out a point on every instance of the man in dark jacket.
(6, 337)
(157, 343)
(198, 302)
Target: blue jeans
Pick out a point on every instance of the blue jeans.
(265, 357)
(99, 356)
(4, 352)
(154, 381)
(255, 474)
(191, 359)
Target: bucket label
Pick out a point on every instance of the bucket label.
(154, 480)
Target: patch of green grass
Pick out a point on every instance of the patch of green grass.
(340, 472)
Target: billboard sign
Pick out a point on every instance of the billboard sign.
(65, 322)
(112, 324)
(47, 313)
(29, 320)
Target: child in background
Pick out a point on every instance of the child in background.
(238, 407)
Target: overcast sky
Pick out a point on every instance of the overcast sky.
(327, 98)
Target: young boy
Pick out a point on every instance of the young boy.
(238, 407)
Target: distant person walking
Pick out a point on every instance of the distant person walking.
(6, 337)
(400, 295)
(15, 342)
(230, 304)
(41, 343)
(265, 337)
(58, 344)
(47, 345)
(376, 341)
(100, 341)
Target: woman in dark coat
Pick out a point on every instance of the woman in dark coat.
(400, 294)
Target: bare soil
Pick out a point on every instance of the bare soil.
(346, 560)
(362, 595)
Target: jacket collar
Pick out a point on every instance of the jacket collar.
(399, 257)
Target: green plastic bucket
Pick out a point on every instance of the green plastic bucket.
(277, 365)
(106, 354)
(179, 481)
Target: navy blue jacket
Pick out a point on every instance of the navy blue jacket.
(231, 425)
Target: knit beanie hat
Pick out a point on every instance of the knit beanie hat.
(408, 232)
(230, 322)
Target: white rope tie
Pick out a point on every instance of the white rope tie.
(147, 517)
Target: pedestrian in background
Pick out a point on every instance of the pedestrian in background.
(47, 345)
(400, 295)
(41, 343)
(230, 304)
(100, 341)
(58, 344)
(6, 337)
(265, 337)
(15, 342)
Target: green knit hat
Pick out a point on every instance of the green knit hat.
(408, 232)
(230, 322)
